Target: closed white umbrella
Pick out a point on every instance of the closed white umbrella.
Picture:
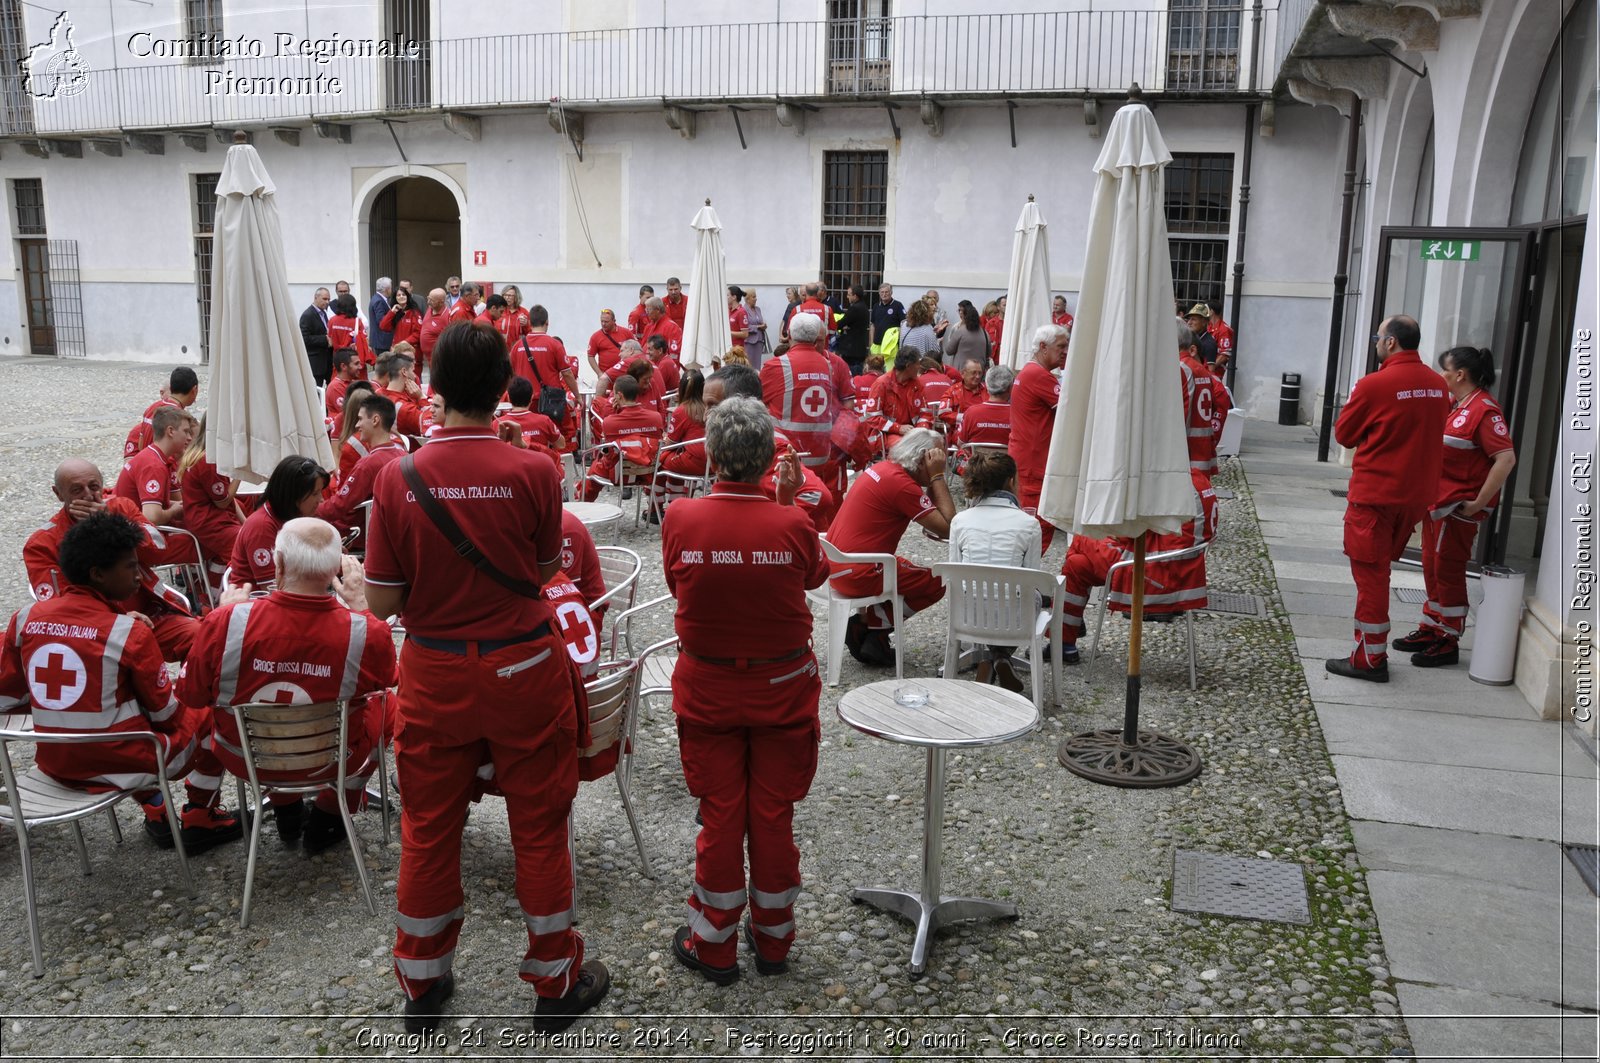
(706, 334)
(264, 404)
(1119, 460)
(1028, 294)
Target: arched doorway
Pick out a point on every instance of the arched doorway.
(413, 232)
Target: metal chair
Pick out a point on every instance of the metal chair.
(655, 663)
(629, 476)
(998, 605)
(613, 721)
(1185, 554)
(693, 484)
(839, 608)
(32, 799)
(192, 574)
(298, 738)
(620, 568)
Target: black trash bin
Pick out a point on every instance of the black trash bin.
(1289, 400)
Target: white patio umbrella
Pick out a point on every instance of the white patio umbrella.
(264, 404)
(706, 334)
(1119, 460)
(1028, 295)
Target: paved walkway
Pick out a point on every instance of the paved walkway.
(1458, 795)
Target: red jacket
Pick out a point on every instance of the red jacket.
(1392, 418)
(1033, 419)
(142, 435)
(1171, 586)
(799, 390)
(340, 510)
(894, 406)
(404, 326)
(1199, 413)
(41, 556)
(637, 431)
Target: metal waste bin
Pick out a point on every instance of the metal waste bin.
(1289, 400)
(1494, 640)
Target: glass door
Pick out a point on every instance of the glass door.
(1464, 286)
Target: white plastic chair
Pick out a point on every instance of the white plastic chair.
(33, 799)
(839, 608)
(998, 605)
(1188, 614)
(298, 738)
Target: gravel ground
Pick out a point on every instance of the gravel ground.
(1097, 964)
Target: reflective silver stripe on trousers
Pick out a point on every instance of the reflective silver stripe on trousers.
(1173, 598)
(1376, 649)
(116, 642)
(778, 930)
(437, 967)
(775, 900)
(352, 655)
(705, 931)
(232, 655)
(103, 720)
(1372, 629)
(546, 968)
(1199, 433)
(427, 926)
(1460, 444)
(549, 924)
(1075, 599)
(724, 901)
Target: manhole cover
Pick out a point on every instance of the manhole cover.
(1233, 603)
(1586, 858)
(1411, 595)
(1241, 887)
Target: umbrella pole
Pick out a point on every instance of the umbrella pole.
(1130, 712)
(1129, 757)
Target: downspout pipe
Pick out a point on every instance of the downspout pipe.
(1252, 115)
(1341, 281)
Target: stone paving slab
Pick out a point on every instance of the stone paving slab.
(1435, 690)
(1438, 930)
(1518, 803)
(1465, 1026)
(1438, 738)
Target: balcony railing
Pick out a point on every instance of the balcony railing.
(1292, 18)
(1064, 53)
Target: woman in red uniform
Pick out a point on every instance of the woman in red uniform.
(687, 424)
(1477, 459)
(293, 490)
(346, 330)
(745, 690)
(403, 320)
(209, 509)
(348, 444)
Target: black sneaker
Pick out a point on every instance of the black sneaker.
(323, 831)
(686, 956)
(763, 967)
(158, 829)
(207, 826)
(1441, 654)
(1342, 666)
(1417, 641)
(422, 1014)
(855, 630)
(1069, 653)
(290, 819)
(554, 1014)
(876, 650)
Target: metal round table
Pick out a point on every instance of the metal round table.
(596, 515)
(958, 715)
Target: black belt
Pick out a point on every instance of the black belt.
(462, 647)
(747, 662)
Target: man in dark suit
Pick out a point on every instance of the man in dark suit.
(379, 306)
(314, 330)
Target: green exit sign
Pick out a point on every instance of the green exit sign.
(1451, 250)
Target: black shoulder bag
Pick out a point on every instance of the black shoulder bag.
(552, 400)
(458, 539)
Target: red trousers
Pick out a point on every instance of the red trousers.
(605, 468)
(1374, 537)
(748, 738)
(918, 588)
(455, 713)
(1087, 564)
(174, 634)
(1029, 488)
(1446, 549)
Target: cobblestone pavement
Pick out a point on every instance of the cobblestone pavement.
(1097, 963)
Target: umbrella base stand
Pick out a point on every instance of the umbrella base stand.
(1153, 760)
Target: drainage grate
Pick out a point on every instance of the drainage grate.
(1241, 887)
(1411, 595)
(1223, 494)
(1586, 858)
(1233, 603)
(1338, 492)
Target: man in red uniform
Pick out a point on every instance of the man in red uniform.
(880, 505)
(813, 497)
(344, 371)
(434, 320)
(1222, 333)
(605, 344)
(299, 646)
(812, 304)
(483, 676)
(183, 388)
(989, 422)
(1392, 418)
(376, 429)
(81, 491)
(896, 403)
(1059, 314)
(465, 308)
(667, 366)
(83, 665)
(745, 691)
(150, 477)
(675, 304)
(1199, 405)
(636, 432)
(396, 377)
(1171, 587)
(542, 359)
(1034, 396)
(657, 323)
(801, 394)
(637, 316)
(535, 428)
